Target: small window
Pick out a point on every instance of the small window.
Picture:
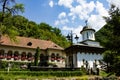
(42, 57)
(87, 35)
(52, 57)
(23, 56)
(9, 55)
(29, 44)
(29, 56)
(58, 58)
(2, 54)
(55, 45)
(16, 55)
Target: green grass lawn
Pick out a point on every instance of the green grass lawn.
(24, 75)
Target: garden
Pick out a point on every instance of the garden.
(18, 71)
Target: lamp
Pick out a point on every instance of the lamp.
(70, 38)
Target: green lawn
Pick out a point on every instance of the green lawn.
(28, 75)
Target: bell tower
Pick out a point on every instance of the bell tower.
(87, 33)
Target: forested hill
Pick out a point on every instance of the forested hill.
(19, 25)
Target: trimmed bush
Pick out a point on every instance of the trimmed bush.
(45, 73)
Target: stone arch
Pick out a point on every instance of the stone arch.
(23, 56)
(43, 60)
(9, 55)
(2, 54)
(58, 57)
(29, 56)
(16, 55)
(42, 57)
(53, 57)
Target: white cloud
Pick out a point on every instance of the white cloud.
(82, 10)
(62, 19)
(114, 2)
(56, 22)
(61, 22)
(62, 15)
(93, 11)
(51, 3)
(96, 22)
(85, 11)
(66, 28)
(66, 3)
(101, 9)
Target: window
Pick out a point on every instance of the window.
(9, 55)
(16, 55)
(23, 56)
(42, 57)
(29, 44)
(58, 57)
(2, 54)
(87, 35)
(52, 57)
(29, 56)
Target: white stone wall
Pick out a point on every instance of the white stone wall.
(89, 57)
(61, 63)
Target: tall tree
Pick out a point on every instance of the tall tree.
(8, 8)
(37, 54)
(111, 38)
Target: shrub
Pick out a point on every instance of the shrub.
(45, 73)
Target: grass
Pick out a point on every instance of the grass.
(103, 74)
(9, 76)
(24, 77)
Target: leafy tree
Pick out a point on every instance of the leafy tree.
(36, 56)
(19, 25)
(7, 10)
(57, 31)
(111, 37)
(45, 26)
(108, 57)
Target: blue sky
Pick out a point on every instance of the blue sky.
(68, 14)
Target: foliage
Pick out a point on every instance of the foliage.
(45, 73)
(16, 25)
(19, 25)
(109, 36)
(7, 10)
(108, 57)
(14, 66)
(10, 7)
(37, 56)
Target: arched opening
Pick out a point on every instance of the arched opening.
(58, 58)
(29, 56)
(42, 57)
(9, 55)
(16, 55)
(43, 60)
(52, 57)
(2, 54)
(23, 56)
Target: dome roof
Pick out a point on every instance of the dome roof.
(85, 28)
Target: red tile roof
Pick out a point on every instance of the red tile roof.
(30, 43)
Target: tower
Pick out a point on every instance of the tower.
(88, 33)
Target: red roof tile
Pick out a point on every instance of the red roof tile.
(30, 43)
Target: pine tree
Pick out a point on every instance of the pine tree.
(36, 57)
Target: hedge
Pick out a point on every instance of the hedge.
(45, 73)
